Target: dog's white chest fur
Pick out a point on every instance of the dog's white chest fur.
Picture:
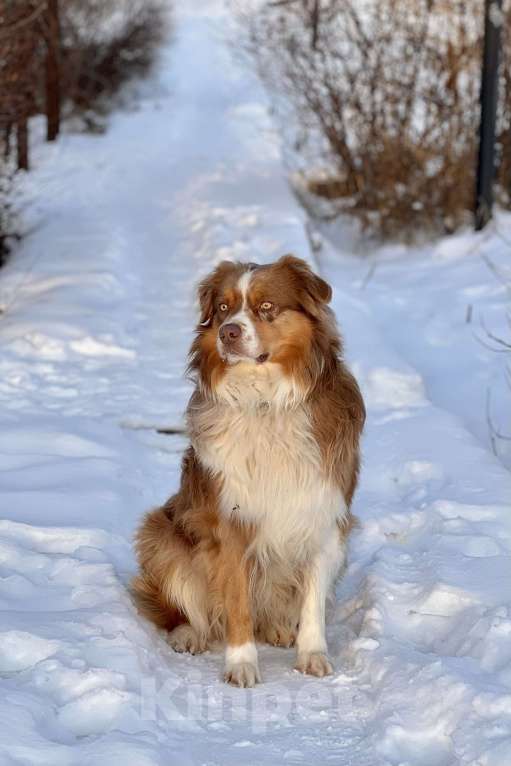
(271, 472)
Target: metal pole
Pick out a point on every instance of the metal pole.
(52, 70)
(489, 94)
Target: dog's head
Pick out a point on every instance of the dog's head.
(255, 316)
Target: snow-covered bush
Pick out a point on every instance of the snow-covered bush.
(385, 101)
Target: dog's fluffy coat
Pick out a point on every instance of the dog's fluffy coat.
(252, 542)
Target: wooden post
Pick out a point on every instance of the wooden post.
(52, 71)
(489, 94)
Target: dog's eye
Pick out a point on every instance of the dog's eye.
(223, 307)
(266, 306)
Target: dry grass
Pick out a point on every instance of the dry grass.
(385, 99)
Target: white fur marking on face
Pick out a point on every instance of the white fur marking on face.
(250, 339)
(243, 286)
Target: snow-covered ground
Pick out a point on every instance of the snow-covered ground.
(98, 309)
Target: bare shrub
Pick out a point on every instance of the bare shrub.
(384, 95)
(105, 43)
(97, 46)
(20, 55)
(78, 53)
(20, 48)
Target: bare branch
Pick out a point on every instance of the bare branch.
(7, 31)
(494, 432)
(502, 345)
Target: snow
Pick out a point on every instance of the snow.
(98, 310)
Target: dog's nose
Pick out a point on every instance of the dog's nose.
(229, 333)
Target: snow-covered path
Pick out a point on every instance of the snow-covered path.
(98, 311)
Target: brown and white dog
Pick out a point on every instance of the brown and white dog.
(250, 546)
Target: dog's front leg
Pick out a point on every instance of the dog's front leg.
(241, 668)
(311, 640)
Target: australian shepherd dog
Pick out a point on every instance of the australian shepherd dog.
(252, 543)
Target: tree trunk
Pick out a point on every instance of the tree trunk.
(22, 143)
(7, 140)
(52, 71)
(315, 24)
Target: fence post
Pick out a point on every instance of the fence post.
(493, 19)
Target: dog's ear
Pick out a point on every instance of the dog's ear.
(208, 291)
(312, 290)
(206, 294)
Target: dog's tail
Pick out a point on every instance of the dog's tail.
(169, 590)
(151, 603)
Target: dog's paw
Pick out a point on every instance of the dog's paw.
(279, 636)
(185, 639)
(314, 664)
(242, 674)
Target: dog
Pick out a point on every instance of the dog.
(252, 543)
